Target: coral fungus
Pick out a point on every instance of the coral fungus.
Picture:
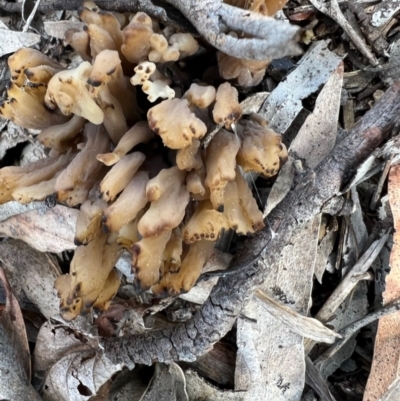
(149, 186)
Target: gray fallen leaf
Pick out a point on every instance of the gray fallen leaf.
(358, 234)
(11, 41)
(284, 103)
(281, 186)
(346, 286)
(14, 351)
(45, 229)
(57, 29)
(347, 313)
(325, 248)
(127, 386)
(78, 376)
(302, 325)
(270, 358)
(11, 136)
(53, 343)
(33, 273)
(168, 384)
(198, 389)
(361, 172)
(14, 208)
(317, 382)
(32, 152)
(384, 12)
(253, 103)
(317, 136)
(73, 366)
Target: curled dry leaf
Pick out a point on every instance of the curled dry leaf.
(77, 376)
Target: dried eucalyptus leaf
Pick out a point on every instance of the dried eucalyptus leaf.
(317, 136)
(384, 12)
(128, 386)
(78, 376)
(45, 229)
(12, 136)
(270, 357)
(57, 29)
(53, 343)
(325, 248)
(198, 389)
(253, 103)
(33, 273)
(11, 41)
(284, 103)
(346, 314)
(303, 325)
(167, 384)
(14, 208)
(14, 351)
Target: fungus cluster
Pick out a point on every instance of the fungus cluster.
(146, 185)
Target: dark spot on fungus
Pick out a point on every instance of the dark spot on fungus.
(94, 82)
(111, 71)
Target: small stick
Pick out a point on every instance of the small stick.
(348, 331)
